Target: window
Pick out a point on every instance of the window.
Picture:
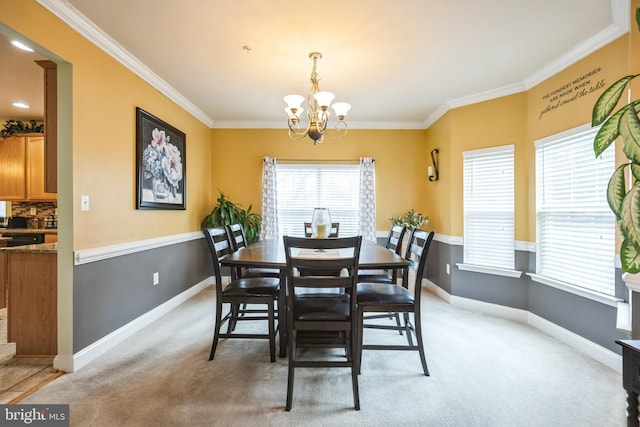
(575, 228)
(488, 207)
(301, 188)
(3, 208)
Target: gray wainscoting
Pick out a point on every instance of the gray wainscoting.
(110, 293)
(591, 320)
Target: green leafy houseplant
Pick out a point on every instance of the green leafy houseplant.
(226, 212)
(623, 198)
(410, 219)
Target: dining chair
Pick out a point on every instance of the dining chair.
(239, 241)
(394, 244)
(392, 298)
(321, 310)
(237, 292)
(333, 232)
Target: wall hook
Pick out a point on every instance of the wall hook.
(433, 170)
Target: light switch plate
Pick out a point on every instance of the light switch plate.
(84, 203)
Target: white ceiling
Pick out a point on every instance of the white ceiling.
(400, 64)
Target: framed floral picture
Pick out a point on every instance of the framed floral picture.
(160, 163)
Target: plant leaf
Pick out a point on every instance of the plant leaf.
(616, 190)
(630, 132)
(608, 100)
(629, 258)
(630, 216)
(635, 170)
(638, 17)
(610, 130)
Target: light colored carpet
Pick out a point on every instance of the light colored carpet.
(485, 371)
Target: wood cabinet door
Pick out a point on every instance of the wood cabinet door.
(12, 168)
(35, 170)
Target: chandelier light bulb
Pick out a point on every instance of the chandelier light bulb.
(341, 109)
(324, 99)
(294, 101)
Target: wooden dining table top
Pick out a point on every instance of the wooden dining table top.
(270, 254)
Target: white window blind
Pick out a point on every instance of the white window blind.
(488, 207)
(303, 187)
(575, 228)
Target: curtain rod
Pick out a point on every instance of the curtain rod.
(317, 160)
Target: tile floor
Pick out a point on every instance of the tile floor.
(19, 375)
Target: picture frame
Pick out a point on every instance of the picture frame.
(161, 168)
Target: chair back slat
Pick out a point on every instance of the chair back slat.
(237, 236)
(220, 248)
(417, 251)
(340, 254)
(394, 241)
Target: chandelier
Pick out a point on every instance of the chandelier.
(318, 103)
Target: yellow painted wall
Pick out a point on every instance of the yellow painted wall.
(520, 119)
(439, 192)
(105, 95)
(493, 123)
(400, 155)
(611, 63)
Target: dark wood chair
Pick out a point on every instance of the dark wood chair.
(238, 242)
(394, 244)
(321, 310)
(392, 298)
(240, 291)
(335, 229)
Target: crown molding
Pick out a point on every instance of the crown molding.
(230, 124)
(76, 20)
(619, 27)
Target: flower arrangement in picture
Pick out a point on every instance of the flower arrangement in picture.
(162, 164)
(410, 219)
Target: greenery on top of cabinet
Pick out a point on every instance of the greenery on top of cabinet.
(12, 127)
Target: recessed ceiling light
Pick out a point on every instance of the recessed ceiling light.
(20, 45)
(20, 104)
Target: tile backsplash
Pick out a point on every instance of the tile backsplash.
(42, 209)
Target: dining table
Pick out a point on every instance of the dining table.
(269, 253)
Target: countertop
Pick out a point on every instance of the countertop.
(29, 230)
(41, 248)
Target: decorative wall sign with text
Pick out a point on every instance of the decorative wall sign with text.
(584, 85)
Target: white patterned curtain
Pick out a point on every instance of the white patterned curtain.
(367, 220)
(269, 199)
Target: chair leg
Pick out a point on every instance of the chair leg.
(272, 331)
(353, 344)
(216, 332)
(418, 329)
(407, 328)
(359, 340)
(292, 352)
(235, 309)
(397, 316)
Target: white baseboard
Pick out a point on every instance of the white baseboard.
(70, 363)
(589, 348)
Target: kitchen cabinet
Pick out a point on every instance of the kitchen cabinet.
(3, 279)
(32, 321)
(22, 168)
(36, 170)
(12, 168)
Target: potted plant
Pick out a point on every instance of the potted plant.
(410, 219)
(226, 212)
(623, 198)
